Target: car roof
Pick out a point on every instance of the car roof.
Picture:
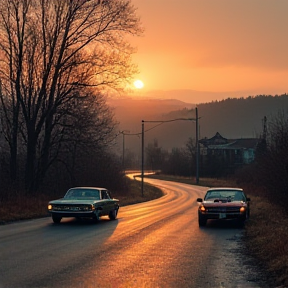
(225, 189)
(90, 188)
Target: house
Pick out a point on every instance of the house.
(234, 152)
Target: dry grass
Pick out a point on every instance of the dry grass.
(21, 208)
(266, 237)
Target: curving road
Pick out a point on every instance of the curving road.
(152, 244)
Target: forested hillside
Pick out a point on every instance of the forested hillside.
(232, 118)
(235, 118)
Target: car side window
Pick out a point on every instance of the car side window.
(104, 194)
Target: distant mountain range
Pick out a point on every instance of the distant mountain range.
(131, 111)
(198, 97)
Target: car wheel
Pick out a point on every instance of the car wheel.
(202, 221)
(245, 217)
(56, 219)
(96, 217)
(113, 214)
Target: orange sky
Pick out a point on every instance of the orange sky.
(235, 46)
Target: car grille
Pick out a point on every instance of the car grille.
(72, 208)
(223, 210)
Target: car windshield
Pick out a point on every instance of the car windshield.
(228, 195)
(83, 194)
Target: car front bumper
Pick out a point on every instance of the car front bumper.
(88, 214)
(223, 215)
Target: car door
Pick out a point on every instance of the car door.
(105, 202)
(110, 202)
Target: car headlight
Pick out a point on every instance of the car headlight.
(242, 209)
(50, 207)
(202, 208)
(90, 208)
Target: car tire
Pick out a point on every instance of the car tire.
(56, 219)
(113, 214)
(245, 217)
(202, 221)
(96, 217)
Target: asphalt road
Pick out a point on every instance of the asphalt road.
(152, 244)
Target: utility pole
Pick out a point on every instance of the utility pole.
(123, 153)
(142, 162)
(197, 147)
(123, 132)
(165, 121)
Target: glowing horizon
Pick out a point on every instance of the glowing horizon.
(215, 46)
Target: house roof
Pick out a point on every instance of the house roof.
(217, 139)
(219, 142)
(245, 143)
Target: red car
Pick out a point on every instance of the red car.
(223, 203)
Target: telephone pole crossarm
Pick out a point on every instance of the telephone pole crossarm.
(165, 121)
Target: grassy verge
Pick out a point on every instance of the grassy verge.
(266, 235)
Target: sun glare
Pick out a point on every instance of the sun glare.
(138, 84)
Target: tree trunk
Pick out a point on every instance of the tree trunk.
(46, 149)
(14, 141)
(30, 172)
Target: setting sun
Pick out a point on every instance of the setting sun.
(221, 58)
(138, 84)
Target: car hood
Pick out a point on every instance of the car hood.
(75, 201)
(226, 204)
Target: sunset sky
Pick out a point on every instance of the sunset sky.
(227, 48)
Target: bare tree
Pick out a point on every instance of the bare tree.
(51, 52)
(86, 126)
(273, 166)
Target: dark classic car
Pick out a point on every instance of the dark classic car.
(223, 203)
(84, 202)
